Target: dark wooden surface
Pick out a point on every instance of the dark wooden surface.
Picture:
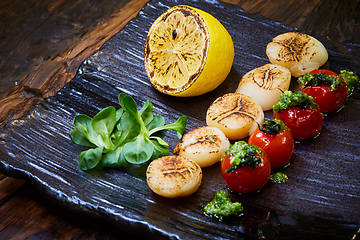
(42, 44)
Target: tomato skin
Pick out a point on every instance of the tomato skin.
(304, 123)
(327, 99)
(329, 72)
(278, 147)
(246, 179)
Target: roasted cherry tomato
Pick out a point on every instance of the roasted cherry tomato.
(304, 123)
(328, 92)
(245, 168)
(300, 113)
(276, 139)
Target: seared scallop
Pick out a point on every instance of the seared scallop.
(173, 176)
(298, 52)
(235, 114)
(265, 84)
(205, 145)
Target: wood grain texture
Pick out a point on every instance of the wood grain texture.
(124, 198)
(19, 58)
(339, 21)
(62, 44)
(26, 214)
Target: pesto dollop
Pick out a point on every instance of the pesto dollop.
(272, 126)
(292, 99)
(243, 154)
(351, 80)
(278, 177)
(221, 206)
(310, 79)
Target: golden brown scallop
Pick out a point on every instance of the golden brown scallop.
(235, 114)
(265, 84)
(205, 145)
(298, 52)
(173, 176)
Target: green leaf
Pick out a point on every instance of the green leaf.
(114, 159)
(116, 137)
(146, 112)
(159, 150)
(89, 159)
(178, 126)
(103, 123)
(119, 113)
(160, 141)
(82, 123)
(138, 151)
(129, 105)
(158, 121)
(80, 139)
(351, 80)
(129, 128)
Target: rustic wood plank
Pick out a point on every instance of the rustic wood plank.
(24, 215)
(48, 75)
(337, 20)
(28, 215)
(8, 187)
(27, 82)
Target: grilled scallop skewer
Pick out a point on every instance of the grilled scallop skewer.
(265, 84)
(204, 145)
(235, 114)
(298, 52)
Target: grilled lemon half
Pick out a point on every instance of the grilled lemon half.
(187, 52)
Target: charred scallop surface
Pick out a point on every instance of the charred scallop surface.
(298, 52)
(265, 84)
(205, 145)
(293, 48)
(173, 176)
(235, 114)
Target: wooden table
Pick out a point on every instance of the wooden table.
(42, 43)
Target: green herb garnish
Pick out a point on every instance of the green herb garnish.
(272, 126)
(243, 154)
(351, 80)
(278, 177)
(292, 99)
(221, 206)
(310, 79)
(121, 137)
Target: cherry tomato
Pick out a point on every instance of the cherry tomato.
(278, 147)
(304, 123)
(246, 179)
(328, 100)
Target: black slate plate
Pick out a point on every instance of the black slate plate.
(320, 200)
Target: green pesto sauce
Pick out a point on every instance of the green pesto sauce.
(243, 154)
(278, 177)
(221, 206)
(310, 79)
(351, 80)
(272, 126)
(292, 99)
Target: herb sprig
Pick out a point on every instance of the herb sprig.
(122, 137)
(290, 99)
(272, 126)
(310, 79)
(243, 154)
(351, 80)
